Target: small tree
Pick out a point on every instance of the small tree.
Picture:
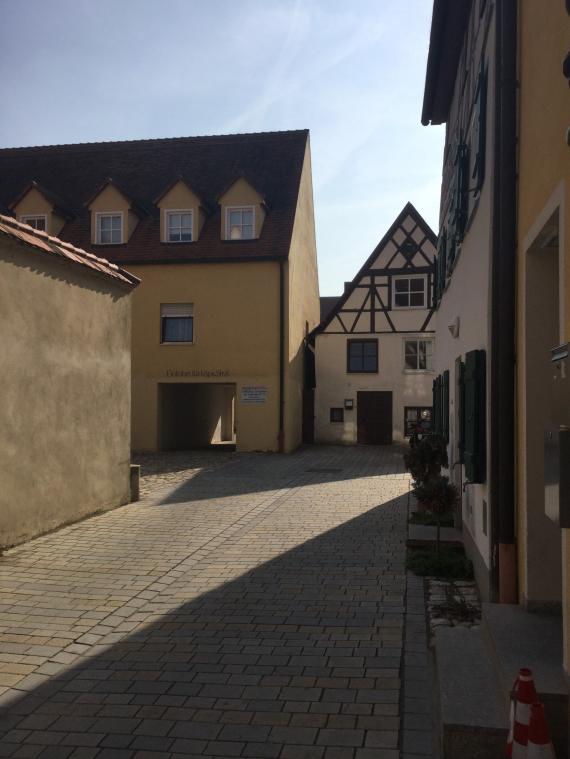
(425, 458)
(439, 496)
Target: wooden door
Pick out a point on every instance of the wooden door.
(374, 417)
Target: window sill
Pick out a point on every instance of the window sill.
(418, 371)
(348, 371)
(177, 343)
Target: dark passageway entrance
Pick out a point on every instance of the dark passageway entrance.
(196, 415)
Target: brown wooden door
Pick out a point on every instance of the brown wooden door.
(374, 417)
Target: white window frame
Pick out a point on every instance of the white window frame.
(398, 277)
(167, 213)
(101, 214)
(26, 217)
(410, 339)
(240, 208)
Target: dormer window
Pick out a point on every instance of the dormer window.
(409, 292)
(179, 226)
(239, 223)
(37, 221)
(109, 228)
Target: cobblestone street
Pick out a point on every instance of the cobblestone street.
(249, 605)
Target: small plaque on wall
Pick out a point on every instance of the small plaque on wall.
(253, 394)
(348, 404)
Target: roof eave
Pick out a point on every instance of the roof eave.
(449, 21)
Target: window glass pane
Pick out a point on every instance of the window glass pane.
(247, 217)
(174, 220)
(355, 349)
(401, 299)
(247, 232)
(417, 285)
(186, 220)
(235, 232)
(417, 299)
(186, 235)
(401, 285)
(369, 349)
(369, 363)
(105, 222)
(177, 329)
(116, 236)
(105, 236)
(411, 347)
(235, 218)
(116, 223)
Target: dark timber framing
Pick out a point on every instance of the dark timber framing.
(378, 299)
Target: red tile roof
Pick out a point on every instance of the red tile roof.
(44, 243)
(272, 162)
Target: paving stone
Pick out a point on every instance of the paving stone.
(248, 604)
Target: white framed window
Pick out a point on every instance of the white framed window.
(409, 291)
(109, 228)
(37, 221)
(240, 222)
(178, 225)
(418, 355)
(176, 323)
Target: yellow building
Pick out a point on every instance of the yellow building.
(543, 304)
(65, 406)
(221, 232)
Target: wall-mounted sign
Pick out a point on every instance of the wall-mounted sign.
(197, 372)
(253, 394)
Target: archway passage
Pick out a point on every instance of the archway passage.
(196, 415)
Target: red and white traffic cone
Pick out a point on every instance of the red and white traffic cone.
(525, 695)
(539, 745)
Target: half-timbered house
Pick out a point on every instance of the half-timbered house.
(374, 350)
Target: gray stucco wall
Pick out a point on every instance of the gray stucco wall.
(65, 393)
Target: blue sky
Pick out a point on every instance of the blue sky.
(353, 73)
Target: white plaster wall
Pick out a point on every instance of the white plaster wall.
(334, 384)
(468, 296)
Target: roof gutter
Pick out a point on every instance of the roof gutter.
(433, 61)
(503, 305)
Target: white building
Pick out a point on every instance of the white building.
(374, 351)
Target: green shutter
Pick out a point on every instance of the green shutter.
(480, 126)
(436, 406)
(461, 410)
(475, 411)
(461, 189)
(445, 405)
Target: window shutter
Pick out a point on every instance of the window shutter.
(461, 188)
(445, 405)
(474, 404)
(480, 124)
(435, 404)
(461, 410)
(176, 309)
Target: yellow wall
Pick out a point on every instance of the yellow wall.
(181, 198)
(236, 331)
(110, 200)
(302, 288)
(34, 204)
(544, 177)
(241, 193)
(65, 402)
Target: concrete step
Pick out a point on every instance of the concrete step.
(517, 638)
(473, 713)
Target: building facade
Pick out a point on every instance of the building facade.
(470, 44)
(543, 298)
(375, 349)
(221, 232)
(65, 407)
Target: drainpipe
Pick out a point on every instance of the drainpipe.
(281, 434)
(503, 310)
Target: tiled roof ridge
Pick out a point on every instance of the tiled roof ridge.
(220, 138)
(92, 261)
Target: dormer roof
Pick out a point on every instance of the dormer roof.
(110, 182)
(59, 206)
(246, 179)
(270, 162)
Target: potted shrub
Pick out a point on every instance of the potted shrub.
(439, 496)
(425, 458)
